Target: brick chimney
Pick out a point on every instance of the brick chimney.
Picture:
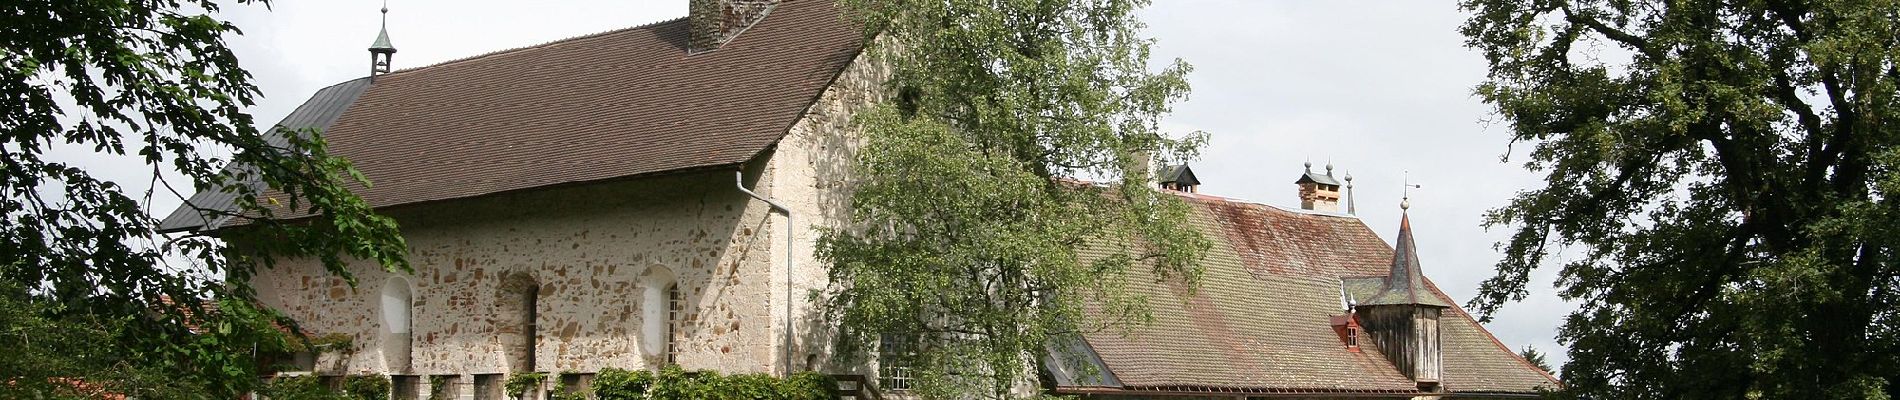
(715, 22)
(1318, 192)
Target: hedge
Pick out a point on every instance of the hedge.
(673, 383)
(309, 387)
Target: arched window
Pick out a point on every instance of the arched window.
(658, 308)
(397, 305)
(516, 313)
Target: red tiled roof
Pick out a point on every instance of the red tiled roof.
(610, 105)
(1260, 321)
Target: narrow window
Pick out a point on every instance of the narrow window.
(396, 309)
(658, 308)
(675, 316)
(893, 369)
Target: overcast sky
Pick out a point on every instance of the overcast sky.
(1377, 88)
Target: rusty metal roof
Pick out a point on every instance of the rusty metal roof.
(1260, 321)
(609, 105)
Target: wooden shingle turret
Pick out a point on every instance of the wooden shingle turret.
(1401, 313)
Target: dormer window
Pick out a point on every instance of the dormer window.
(1352, 337)
(1348, 329)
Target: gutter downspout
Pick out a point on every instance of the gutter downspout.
(739, 182)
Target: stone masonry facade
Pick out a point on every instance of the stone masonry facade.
(583, 255)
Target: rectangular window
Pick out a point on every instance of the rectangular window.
(445, 387)
(893, 372)
(405, 387)
(488, 387)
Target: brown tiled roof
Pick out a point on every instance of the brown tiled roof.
(1260, 322)
(610, 105)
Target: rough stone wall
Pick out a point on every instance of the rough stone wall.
(811, 174)
(585, 248)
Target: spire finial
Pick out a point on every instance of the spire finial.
(1405, 203)
(1351, 200)
(1329, 167)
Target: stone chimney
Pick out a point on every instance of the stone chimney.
(1318, 192)
(715, 22)
(1402, 317)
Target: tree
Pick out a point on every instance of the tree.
(1536, 358)
(975, 241)
(102, 298)
(1724, 174)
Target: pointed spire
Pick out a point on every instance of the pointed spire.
(1406, 282)
(382, 38)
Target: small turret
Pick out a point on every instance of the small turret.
(381, 52)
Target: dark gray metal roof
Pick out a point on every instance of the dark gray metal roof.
(319, 112)
(1177, 174)
(1323, 179)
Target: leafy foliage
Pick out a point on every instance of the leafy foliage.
(1725, 175)
(1536, 358)
(153, 81)
(366, 387)
(520, 383)
(301, 387)
(673, 383)
(971, 230)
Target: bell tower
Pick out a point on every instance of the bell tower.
(381, 51)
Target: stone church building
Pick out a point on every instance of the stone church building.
(650, 196)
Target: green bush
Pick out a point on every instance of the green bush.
(304, 387)
(519, 384)
(673, 383)
(620, 384)
(366, 387)
(810, 386)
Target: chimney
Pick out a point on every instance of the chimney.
(1318, 192)
(1178, 178)
(381, 51)
(715, 22)
(1402, 318)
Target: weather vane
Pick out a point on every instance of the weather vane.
(1405, 202)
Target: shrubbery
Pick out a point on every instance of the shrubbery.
(309, 387)
(673, 383)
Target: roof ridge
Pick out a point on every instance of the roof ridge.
(540, 45)
(1230, 200)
